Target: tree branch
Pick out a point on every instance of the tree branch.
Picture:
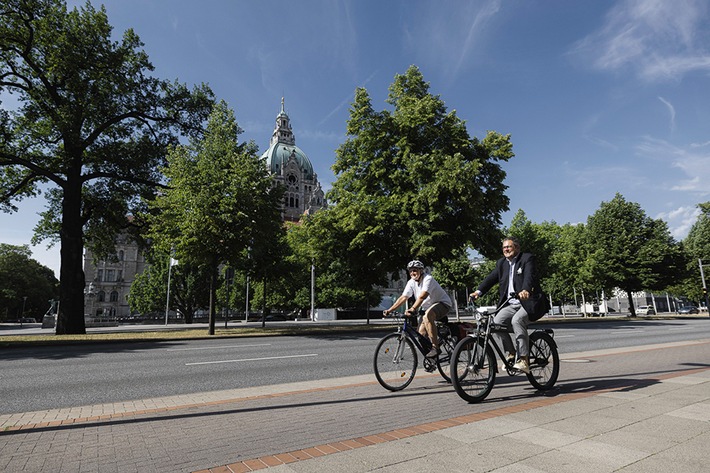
(7, 159)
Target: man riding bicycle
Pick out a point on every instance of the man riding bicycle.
(515, 273)
(430, 297)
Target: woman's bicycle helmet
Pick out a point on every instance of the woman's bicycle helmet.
(415, 264)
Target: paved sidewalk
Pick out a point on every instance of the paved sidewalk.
(659, 425)
(603, 419)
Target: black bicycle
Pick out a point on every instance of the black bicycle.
(473, 363)
(396, 359)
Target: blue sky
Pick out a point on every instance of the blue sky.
(599, 96)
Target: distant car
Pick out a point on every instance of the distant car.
(689, 309)
(645, 310)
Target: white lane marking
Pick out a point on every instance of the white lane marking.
(250, 359)
(215, 348)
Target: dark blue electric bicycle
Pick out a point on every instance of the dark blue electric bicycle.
(396, 359)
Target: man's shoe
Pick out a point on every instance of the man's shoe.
(433, 353)
(510, 359)
(522, 365)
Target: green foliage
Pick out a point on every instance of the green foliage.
(629, 250)
(189, 287)
(92, 125)
(293, 280)
(696, 246)
(457, 274)
(410, 183)
(219, 205)
(24, 282)
(697, 243)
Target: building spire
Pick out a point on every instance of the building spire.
(282, 130)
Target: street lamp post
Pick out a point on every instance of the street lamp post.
(313, 290)
(705, 287)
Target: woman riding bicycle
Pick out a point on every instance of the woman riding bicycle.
(430, 297)
(515, 273)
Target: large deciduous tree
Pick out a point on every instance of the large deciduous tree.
(220, 205)
(630, 250)
(90, 123)
(411, 182)
(697, 247)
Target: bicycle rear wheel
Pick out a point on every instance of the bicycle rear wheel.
(473, 369)
(395, 362)
(544, 361)
(443, 362)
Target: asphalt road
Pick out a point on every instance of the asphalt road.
(64, 376)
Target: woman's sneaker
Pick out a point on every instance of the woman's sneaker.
(433, 353)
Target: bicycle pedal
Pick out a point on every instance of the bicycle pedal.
(429, 365)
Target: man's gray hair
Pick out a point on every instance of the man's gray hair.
(515, 241)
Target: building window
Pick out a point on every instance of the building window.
(99, 275)
(110, 275)
(101, 296)
(121, 255)
(114, 296)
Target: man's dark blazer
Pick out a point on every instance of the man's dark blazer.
(524, 278)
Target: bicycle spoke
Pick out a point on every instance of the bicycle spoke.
(544, 361)
(395, 362)
(473, 370)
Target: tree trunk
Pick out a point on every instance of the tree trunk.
(263, 306)
(632, 309)
(213, 297)
(70, 318)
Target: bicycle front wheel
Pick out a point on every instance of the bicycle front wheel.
(473, 369)
(395, 362)
(544, 361)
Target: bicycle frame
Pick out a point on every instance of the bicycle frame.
(422, 343)
(489, 327)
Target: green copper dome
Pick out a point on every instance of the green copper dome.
(283, 146)
(277, 156)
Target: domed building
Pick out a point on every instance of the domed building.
(290, 167)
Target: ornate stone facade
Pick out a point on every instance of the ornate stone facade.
(108, 283)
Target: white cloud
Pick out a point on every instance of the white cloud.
(447, 37)
(691, 160)
(680, 220)
(657, 38)
(671, 111)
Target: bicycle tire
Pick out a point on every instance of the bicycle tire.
(443, 361)
(544, 361)
(395, 362)
(473, 369)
